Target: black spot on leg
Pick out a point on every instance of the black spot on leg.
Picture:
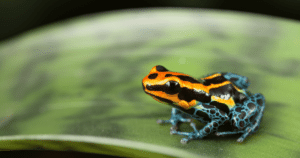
(253, 116)
(153, 76)
(212, 111)
(242, 115)
(222, 113)
(207, 130)
(260, 102)
(251, 106)
(203, 115)
(238, 109)
(242, 124)
(247, 120)
(215, 124)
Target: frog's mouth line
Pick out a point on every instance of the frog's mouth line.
(160, 98)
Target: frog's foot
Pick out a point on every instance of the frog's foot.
(176, 118)
(207, 129)
(190, 135)
(228, 133)
(174, 122)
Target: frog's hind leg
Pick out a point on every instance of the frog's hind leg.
(256, 117)
(240, 81)
(176, 117)
(248, 117)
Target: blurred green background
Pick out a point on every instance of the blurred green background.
(79, 80)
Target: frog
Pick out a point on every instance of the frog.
(216, 99)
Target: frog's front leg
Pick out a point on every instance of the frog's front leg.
(176, 117)
(217, 119)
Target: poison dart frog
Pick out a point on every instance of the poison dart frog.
(212, 100)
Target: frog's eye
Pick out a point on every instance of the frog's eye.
(172, 87)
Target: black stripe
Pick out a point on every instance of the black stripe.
(187, 78)
(168, 75)
(160, 68)
(189, 95)
(223, 90)
(184, 78)
(184, 93)
(216, 80)
(228, 89)
(163, 88)
(153, 76)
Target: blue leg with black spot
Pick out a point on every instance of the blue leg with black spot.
(206, 130)
(247, 124)
(217, 119)
(240, 81)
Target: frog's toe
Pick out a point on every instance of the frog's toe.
(240, 140)
(184, 140)
(162, 121)
(159, 121)
(227, 133)
(185, 120)
(219, 134)
(174, 128)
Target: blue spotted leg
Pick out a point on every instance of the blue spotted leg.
(246, 118)
(216, 117)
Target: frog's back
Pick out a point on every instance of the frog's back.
(223, 90)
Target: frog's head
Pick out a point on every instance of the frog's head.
(168, 87)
